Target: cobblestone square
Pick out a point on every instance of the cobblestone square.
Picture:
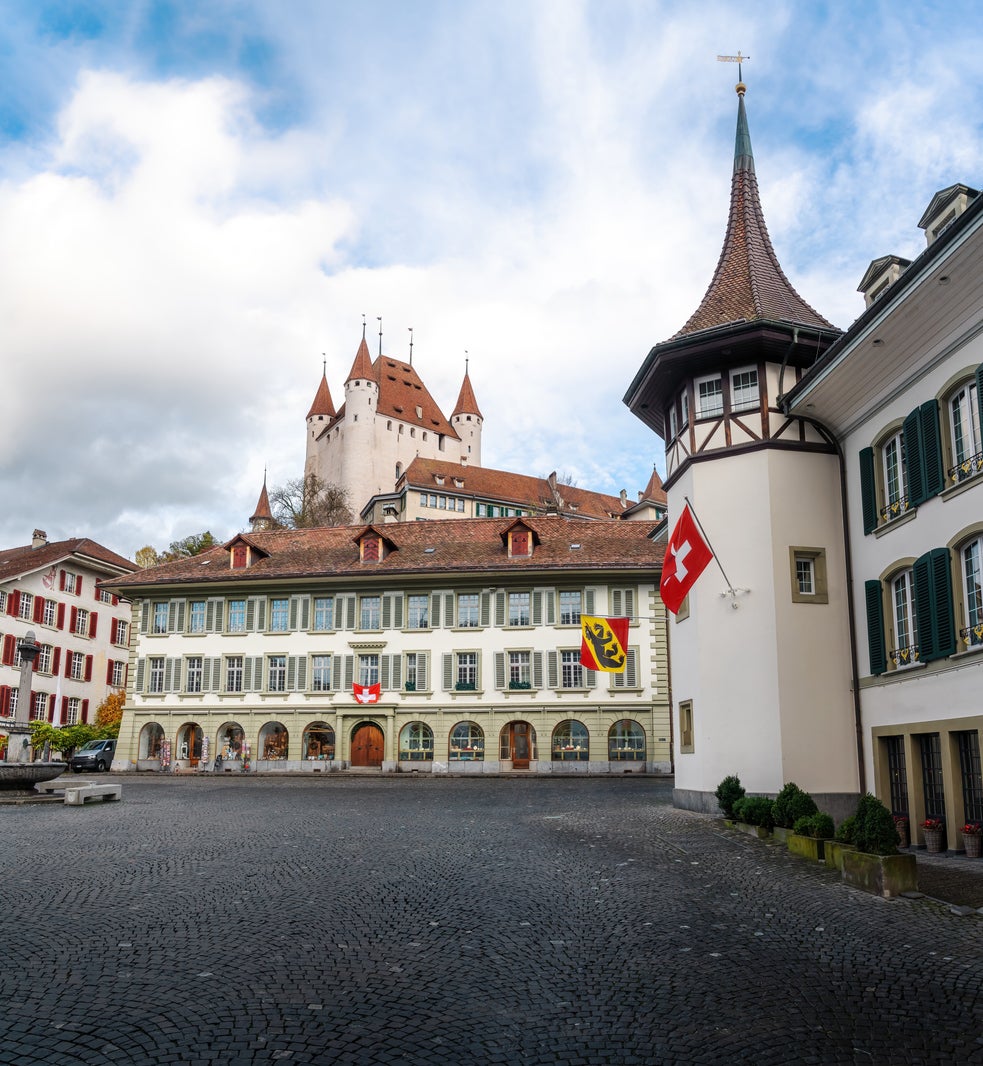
(418, 920)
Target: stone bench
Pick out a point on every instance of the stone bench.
(76, 795)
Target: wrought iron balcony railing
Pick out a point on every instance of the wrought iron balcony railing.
(967, 468)
(905, 656)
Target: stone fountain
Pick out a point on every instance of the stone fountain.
(19, 772)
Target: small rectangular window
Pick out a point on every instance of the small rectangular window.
(709, 397)
(744, 389)
(808, 575)
(686, 726)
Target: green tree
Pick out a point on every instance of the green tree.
(146, 557)
(188, 547)
(309, 501)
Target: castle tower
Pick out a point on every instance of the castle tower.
(467, 421)
(262, 518)
(761, 671)
(319, 417)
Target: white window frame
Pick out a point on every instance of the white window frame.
(196, 616)
(321, 673)
(741, 398)
(193, 669)
(703, 408)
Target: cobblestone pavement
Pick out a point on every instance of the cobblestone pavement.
(422, 921)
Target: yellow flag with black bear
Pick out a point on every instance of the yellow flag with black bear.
(604, 643)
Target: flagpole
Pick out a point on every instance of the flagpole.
(703, 533)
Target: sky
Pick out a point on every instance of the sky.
(200, 199)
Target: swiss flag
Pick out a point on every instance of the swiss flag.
(687, 556)
(367, 693)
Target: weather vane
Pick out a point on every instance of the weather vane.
(738, 59)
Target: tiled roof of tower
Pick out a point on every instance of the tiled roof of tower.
(466, 403)
(362, 367)
(748, 282)
(519, 490)
(401, 392)
(26, 559)
(322, 404)
(654, 490)
(425, 548)
(263, 506)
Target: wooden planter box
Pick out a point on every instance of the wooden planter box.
(884, 875)
(807, 847)
(758, 831)
(835, 852)
(780, 833)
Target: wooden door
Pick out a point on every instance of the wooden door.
(368, 745)
(521, 745)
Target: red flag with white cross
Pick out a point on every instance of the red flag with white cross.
(687, 556)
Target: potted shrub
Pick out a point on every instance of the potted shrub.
(791, 804)
(809, 834)
(728, 792)
(934, 831)
(971, 839)
(876, 866)
(753, 815)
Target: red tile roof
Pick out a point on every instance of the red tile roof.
(24, 560)
(466, 403)
(322, 404)
(423, 548)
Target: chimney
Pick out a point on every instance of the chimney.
(624, 498)
(39, 538)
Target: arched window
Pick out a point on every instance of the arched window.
(151, 741)
(317, 743)
(274, 741)
(467, 742)
(626, 742)
(971, 565)
(415, 742)
(571, 742)
(905, 651)
(964, 431)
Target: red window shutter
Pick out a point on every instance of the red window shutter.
(109, 672)
(93, 619)
(55, 661)
(88, 668)
(61, 580)
(61, 616)
(112, 630)
(9, 646)
(13, 602)
(85, 711)
(115, 601)
(38, 608)
(51, 708)
(72, 619)
(68, 662)
(4, 698)
(64, 709)
(78, 584)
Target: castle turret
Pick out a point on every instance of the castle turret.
(467, 421)
(262, 518)
(319, 418)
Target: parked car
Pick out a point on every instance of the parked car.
(94, 755)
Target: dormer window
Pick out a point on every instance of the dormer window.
(520, 542)
(370, 549)
(240, 557)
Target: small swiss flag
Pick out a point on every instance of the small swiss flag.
(367, 693)
(687, 556)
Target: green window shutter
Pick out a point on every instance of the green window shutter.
(350, 614)
(175, 617)
(589, 602)
(294, 608)
(421, 672)
(875, 627)
(537, 669)
(631, 668)
(250, 614)
(500, 669)
(301, 673)
(349, 672)
(247, 673)
(216, 674)
(210, 616)
(931, 437)
(385, 672)
(448, 671)
(932, 574)
(616, 604)
(305, 613)
(219, 616)
(435, 611)
(145, 609)
(387, 614)
(915, 468)
(448, 608)
(398, 611)
(141, 667)
(868, 490)
(485, 609)
(552, 669)
(551, 607)
(979, 390)
(590, 678)
(291, 673)
(537, 608)
(169, 674)
(336, 673)
(500, 609)
(206, 675)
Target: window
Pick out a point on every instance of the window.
(78, 667)
(518, 608)
(321, 673)
(233, 673)
(156, 674)
(117, 676)
(570, 607)
(467, 671)
(415, 742)
(626, 742)
(412, 673)
(418, 612)
(323, 613)
(72, 715)
(81, 627)
(368, 669)
(196, 617)
(467, 742)
(972, 574)
(49, 613)
(317, 742)
(192, 674)
(467, 610)
(122, 633)
(686, 726)
(969, 775)
(709, 397)
(893, 459)
(44, 660)
(3, 602)
(905, 626)
(104, 596)
(25, 606)
(279, 615)
(159, 624)
(71, 582)
(571, 672)
(684, 406)
(369, 614)
(277, 673)
(744, 395)
(39, 706)
(964, 427)
(519, 675)
(808, 575)
(571, 742)
(237, 616)
(672, 426)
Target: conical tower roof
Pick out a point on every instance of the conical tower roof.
(749, 282)
(263, 517)
(322, 404)
(466, 403)
(362, 367)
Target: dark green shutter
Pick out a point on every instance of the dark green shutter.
(931, 442)
(875, 627)
(933, 605)
(913, 459)
(868, 491)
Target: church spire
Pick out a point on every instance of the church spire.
(263, 517)
(749, 282)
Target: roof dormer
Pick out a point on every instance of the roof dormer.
(520, 540)
(243, 552)
(880, 276)
(946, 206)
(373, 545)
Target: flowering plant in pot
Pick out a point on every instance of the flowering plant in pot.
(933, 828)
(971, 839)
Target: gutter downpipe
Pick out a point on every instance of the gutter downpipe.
(848, 557)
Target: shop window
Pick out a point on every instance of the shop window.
(151, 742)
(415, 742)
(626, 742)
(571, 742)
(274, 742)
(318, 742)
(467, 743)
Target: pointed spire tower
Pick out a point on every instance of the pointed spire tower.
(467, 420)
(761, 668)
(319, 419)
(263, 518)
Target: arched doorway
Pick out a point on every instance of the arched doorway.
(368, 745)
(518, 743)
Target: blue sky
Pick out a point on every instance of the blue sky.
(199, 199)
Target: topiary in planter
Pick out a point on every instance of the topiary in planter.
(729, 791)
(757, 810)
(846, 832)
(875, 831)
(818, 825)
(791, 804)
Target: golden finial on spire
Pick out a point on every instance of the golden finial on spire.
(740, 88)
